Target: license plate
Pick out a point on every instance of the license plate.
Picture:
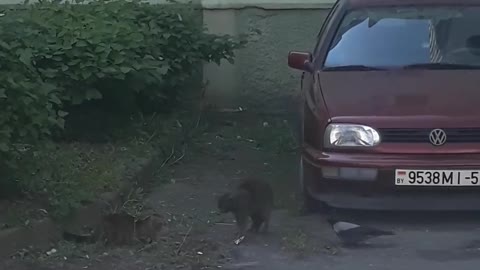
(437, 177)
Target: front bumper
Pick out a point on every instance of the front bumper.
(380, 192)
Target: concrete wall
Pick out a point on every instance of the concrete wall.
(260, 78)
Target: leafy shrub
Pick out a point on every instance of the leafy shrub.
(57, 54)
(92, 47)
(29, 106)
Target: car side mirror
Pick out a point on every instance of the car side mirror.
(300, 60)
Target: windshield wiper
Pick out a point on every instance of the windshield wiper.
(352, 68)
(441, 66)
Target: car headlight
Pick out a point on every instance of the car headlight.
(350, 135)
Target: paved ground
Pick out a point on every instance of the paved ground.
(434, 241)
(203, 239)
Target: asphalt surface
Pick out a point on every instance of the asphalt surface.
(423, 241)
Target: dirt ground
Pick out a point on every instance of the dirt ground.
(197, 237)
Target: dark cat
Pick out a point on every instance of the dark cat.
(252, 199)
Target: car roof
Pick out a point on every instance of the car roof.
(380, 3)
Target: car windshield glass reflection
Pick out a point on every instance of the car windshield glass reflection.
(392, 37)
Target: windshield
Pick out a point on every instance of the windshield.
(396, 37)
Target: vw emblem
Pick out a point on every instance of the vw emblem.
(438, 137)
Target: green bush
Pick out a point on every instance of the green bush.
(29, 107)
(57, 54)
(87, 47)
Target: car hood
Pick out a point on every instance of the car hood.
(403, 98)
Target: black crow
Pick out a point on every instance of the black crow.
(352, 234)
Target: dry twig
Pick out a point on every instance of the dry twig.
(184, 239)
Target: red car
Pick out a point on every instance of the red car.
(390, 107)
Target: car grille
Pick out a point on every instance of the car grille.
(454, 135)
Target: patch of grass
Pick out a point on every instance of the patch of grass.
(65, 175)
(265, 133)
(296, 241)
(65, 250)
(303, 244)
(275, 136)
(20, 213)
